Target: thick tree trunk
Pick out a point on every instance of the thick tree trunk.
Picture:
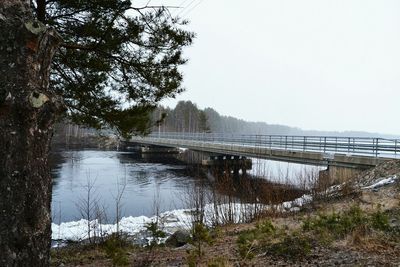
(27, 112)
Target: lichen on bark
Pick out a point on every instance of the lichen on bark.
(35, 27)
(37, 100)
(25, 181)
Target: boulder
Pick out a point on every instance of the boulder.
(178, 239)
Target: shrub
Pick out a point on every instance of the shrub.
(380, 221)
(155, 232)
(266, 238)
(246, 243)
(200, 235)
(218, 262)
(248, 240)
(115, 248)
(265, 227)
(338, 225)
(292, 246)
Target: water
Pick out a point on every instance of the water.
(147, 184)
(285, 172)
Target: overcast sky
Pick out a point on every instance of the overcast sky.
(320, 64)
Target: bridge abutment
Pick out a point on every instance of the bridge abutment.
(337, 175)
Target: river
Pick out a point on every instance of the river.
(148, 184)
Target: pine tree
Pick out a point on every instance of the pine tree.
(106, 62)
(114, 53)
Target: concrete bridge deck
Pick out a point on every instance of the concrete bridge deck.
(347, 152)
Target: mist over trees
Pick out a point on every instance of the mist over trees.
(187, 117)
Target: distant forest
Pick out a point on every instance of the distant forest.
(187, 117)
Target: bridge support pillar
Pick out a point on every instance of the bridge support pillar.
(228, 165)
(158, 149)
(336, 175)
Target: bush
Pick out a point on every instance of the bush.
(246, 243)
(116, 249)
(380, 221)
(265, 238)
(200, 235)
(338, 225)
(248, 240)
(265, 227)
(292, 247)
(218, 262)
(156, 234)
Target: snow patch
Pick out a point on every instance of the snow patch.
(170, 221)
(298, 202)
(78, 230)
(382, 182)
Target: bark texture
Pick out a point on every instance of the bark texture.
(27, 111)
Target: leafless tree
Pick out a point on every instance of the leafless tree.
(121, 186)
(86, 205)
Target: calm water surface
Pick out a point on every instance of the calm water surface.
(146, 183)
(149, 182)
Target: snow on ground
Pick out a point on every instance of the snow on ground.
(298, 202)
(170, 221)
(382, 182)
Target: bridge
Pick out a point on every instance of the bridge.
(337, 153)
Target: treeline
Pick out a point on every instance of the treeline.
(187, 117)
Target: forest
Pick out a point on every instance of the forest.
(188, 117)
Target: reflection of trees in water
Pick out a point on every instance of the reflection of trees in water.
(74, 158)
(247, 188)
(59, 159)
(140, 178)
(56, 159)
(143, 177)
(164, 158)
(126, 157)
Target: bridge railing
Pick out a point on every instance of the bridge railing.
(377, 147)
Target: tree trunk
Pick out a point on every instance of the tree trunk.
(27, 112)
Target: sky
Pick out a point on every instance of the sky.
(313, 64)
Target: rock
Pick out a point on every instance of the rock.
(186, 247)
(178, 239)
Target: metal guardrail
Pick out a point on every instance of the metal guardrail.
(373, 147)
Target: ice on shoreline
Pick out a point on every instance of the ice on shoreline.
(170, 221)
